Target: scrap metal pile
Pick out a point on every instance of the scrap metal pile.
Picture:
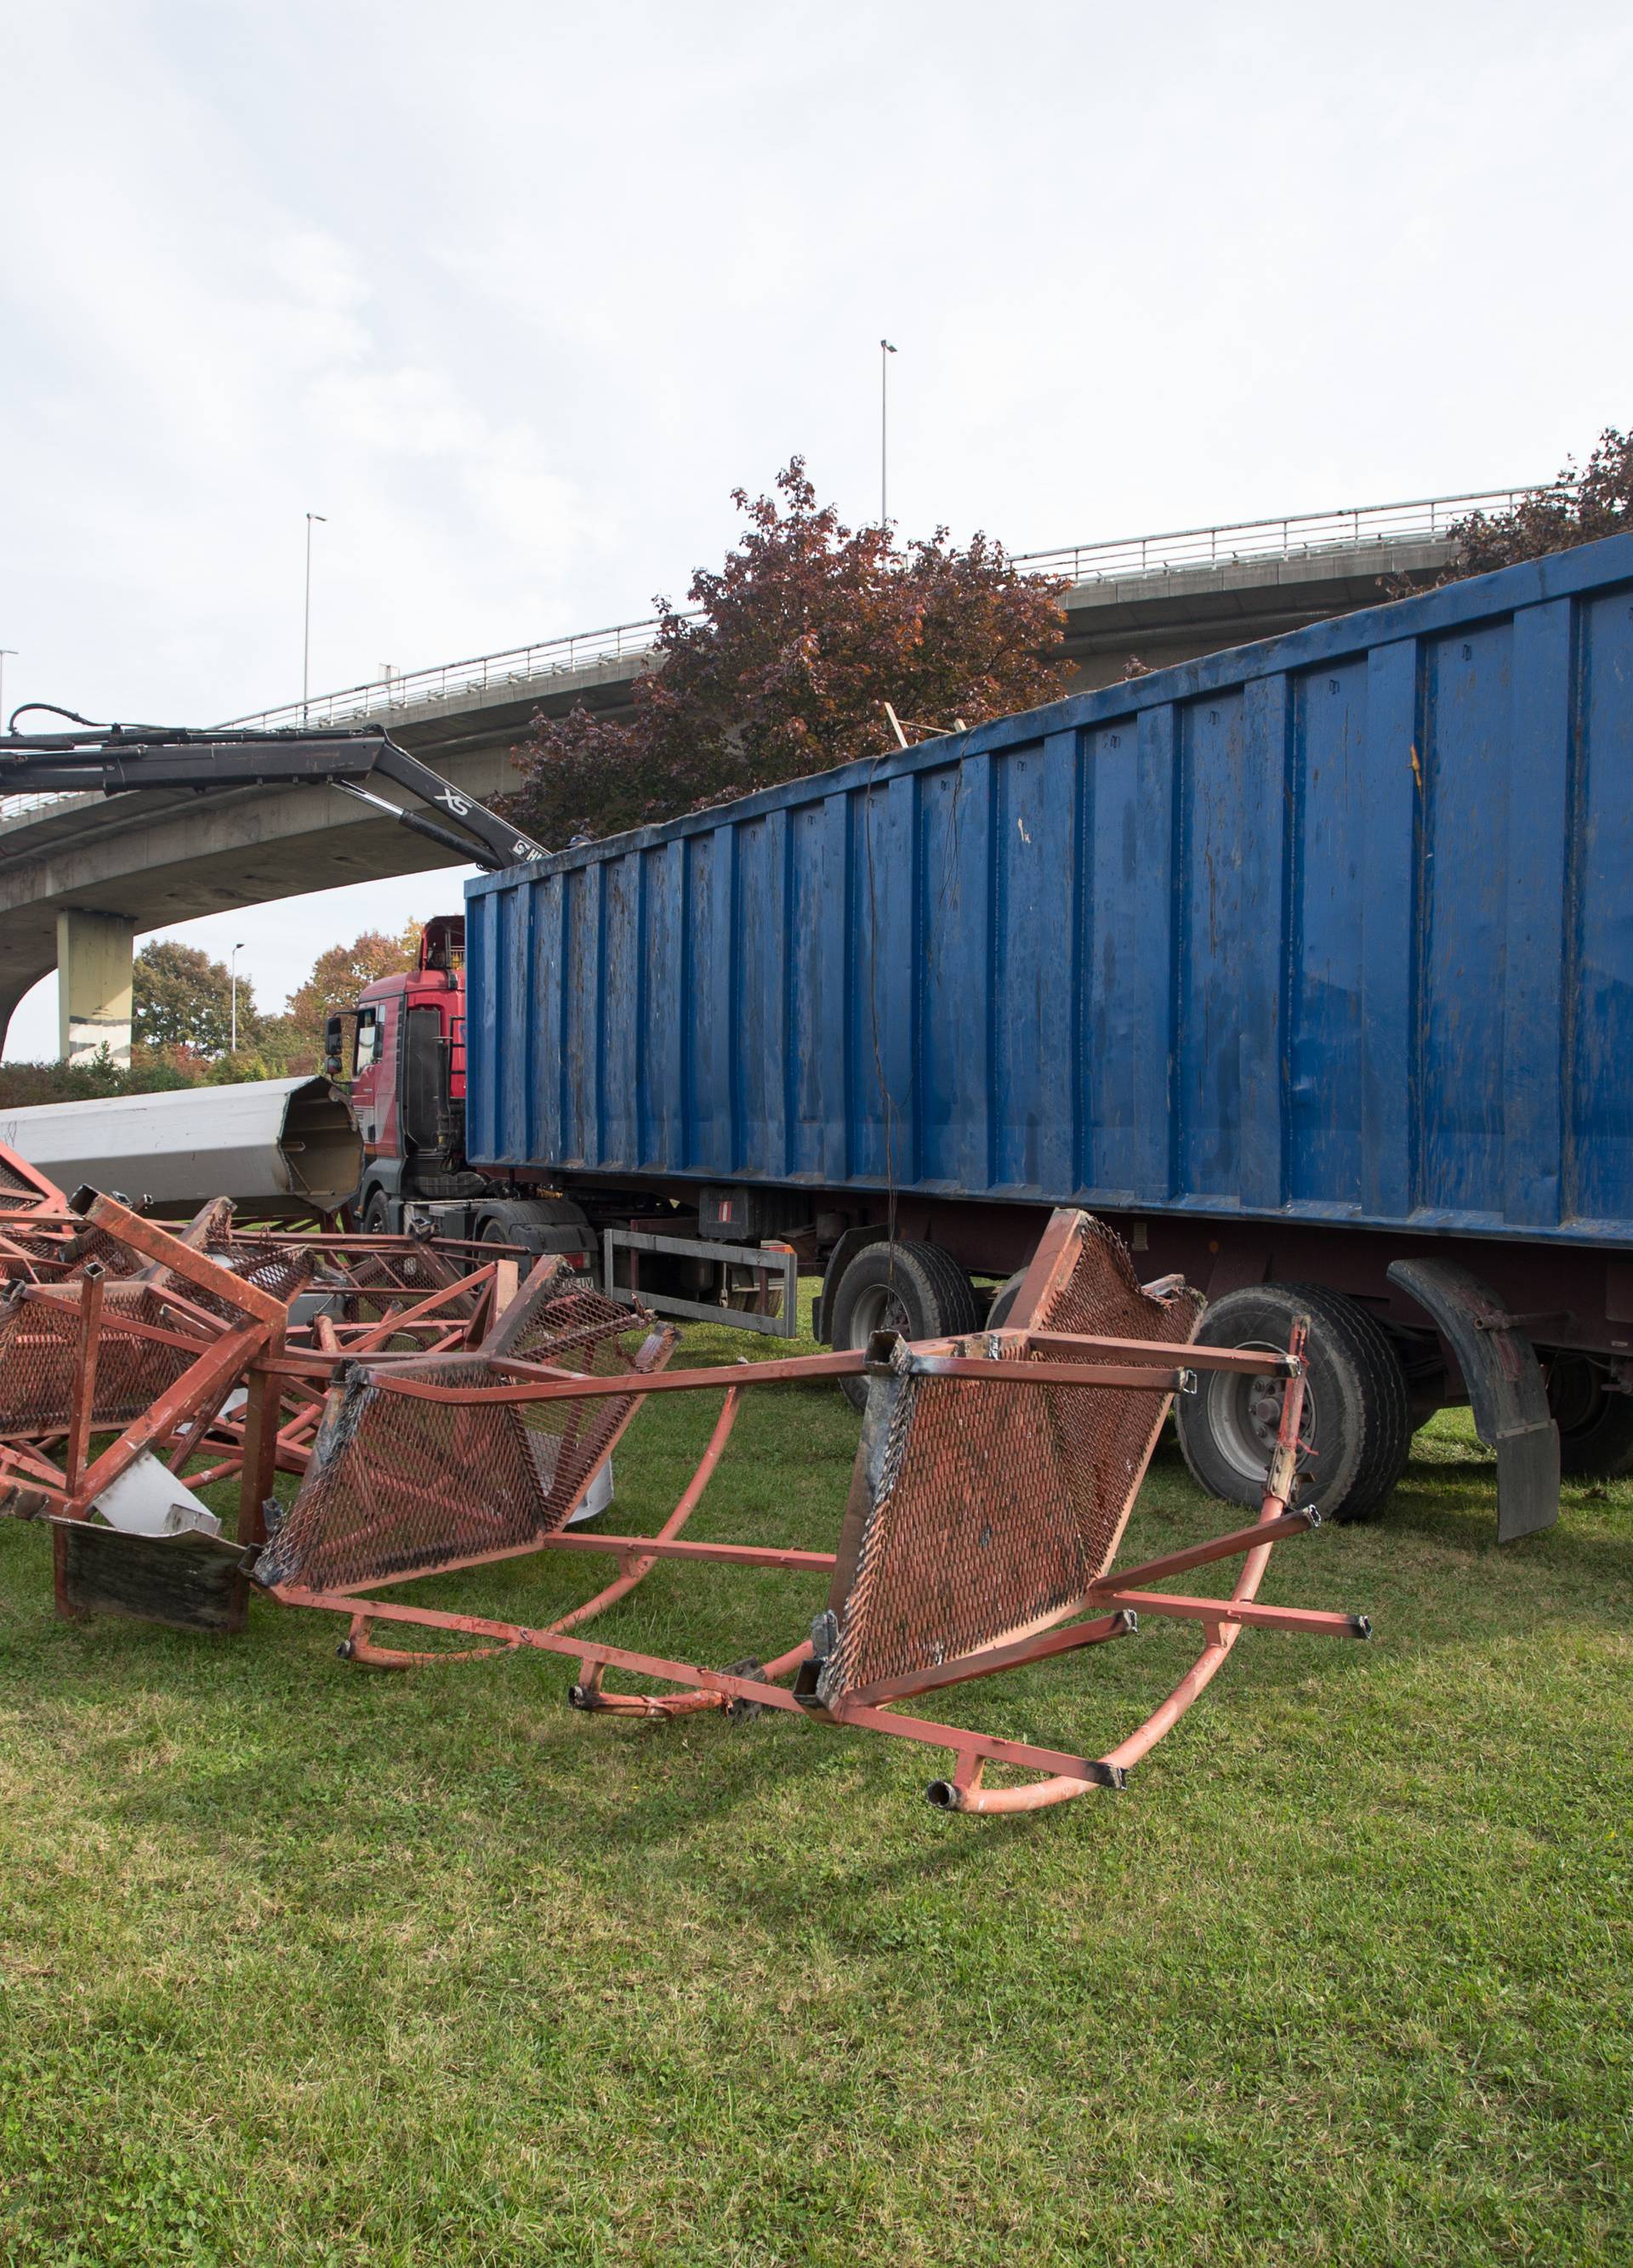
(443, 1415)
(111, 1325)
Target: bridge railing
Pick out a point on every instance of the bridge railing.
(1291, 536)
(454, 680)
(1119, 558)
(24, 807)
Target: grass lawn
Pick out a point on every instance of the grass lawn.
(299, 1963)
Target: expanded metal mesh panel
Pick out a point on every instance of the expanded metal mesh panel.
(15, 1185)
(279, 1269)
(1104, 1439)
(399, 1486)
(27, 1251)
(113, 1257)
(40, 1352)
(411, 1269)
(984, 1512)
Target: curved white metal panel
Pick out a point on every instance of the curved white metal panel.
(279, 1144)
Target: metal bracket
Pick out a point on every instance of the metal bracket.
(1505, 1387)
(777, 1266)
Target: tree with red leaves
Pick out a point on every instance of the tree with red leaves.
(809, 628)
(1575, 507)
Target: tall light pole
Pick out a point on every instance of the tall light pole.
(237, 949)
(885, 348)
(4, 650)
(306, 640)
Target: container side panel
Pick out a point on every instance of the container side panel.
(1031, 960)
(758, 1146)
(1342, 923)
(544, 1011)
(663, 1016)
(899, 916)
(1080, 1174)
(1601, 1064)
(482, 1052)
(882, 897)
(1538, 947)
(953, 978)
(1389, 799)
(581, 1034)
(1262, 964)
(707, 958)
(1127, 859)
(1463, 863)
(618, 1140)
(515, 935)
(1212, 817)
(814, 1010)
(1326, 934)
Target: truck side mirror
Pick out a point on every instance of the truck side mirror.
(334, 1051)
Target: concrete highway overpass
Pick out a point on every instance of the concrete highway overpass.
(82, 875)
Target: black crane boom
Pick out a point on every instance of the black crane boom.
(118, 757)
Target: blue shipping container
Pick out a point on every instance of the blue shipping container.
(1334, 928)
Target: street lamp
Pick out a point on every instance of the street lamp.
(885, 348)
(237, 949)
(306, 640)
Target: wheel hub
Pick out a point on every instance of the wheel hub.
(879, 1309)
(1247, 1418)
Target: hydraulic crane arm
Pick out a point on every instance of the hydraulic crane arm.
(117, 757)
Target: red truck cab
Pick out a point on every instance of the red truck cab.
(408, 1075)
(404, 1058)
(406, 1065)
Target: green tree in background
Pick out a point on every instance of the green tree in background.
(184, 999)
(807, 630)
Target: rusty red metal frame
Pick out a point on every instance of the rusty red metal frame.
(1131, 1376)
(111, 1322)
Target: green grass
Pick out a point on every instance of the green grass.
(303, 1963)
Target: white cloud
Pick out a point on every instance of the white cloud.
(514, 300)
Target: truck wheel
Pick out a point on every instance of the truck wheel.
(377, 1214)
(1595, 1426)
(1357, 1414)
(916, 1289)
(1003, 1300)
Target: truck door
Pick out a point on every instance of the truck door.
(374, 1085)
(424, 1115)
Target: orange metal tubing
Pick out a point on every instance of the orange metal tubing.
(360, 1645)
(968, 1795)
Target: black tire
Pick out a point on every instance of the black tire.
(1358, 1413)
(377, 1214)
(916, 1289)
(1003, 1300)
(1595, 1426)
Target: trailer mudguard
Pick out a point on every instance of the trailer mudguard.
(1505, 1387)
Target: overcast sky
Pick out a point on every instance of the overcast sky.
(515, 293)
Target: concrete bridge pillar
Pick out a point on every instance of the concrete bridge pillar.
(95, 952)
